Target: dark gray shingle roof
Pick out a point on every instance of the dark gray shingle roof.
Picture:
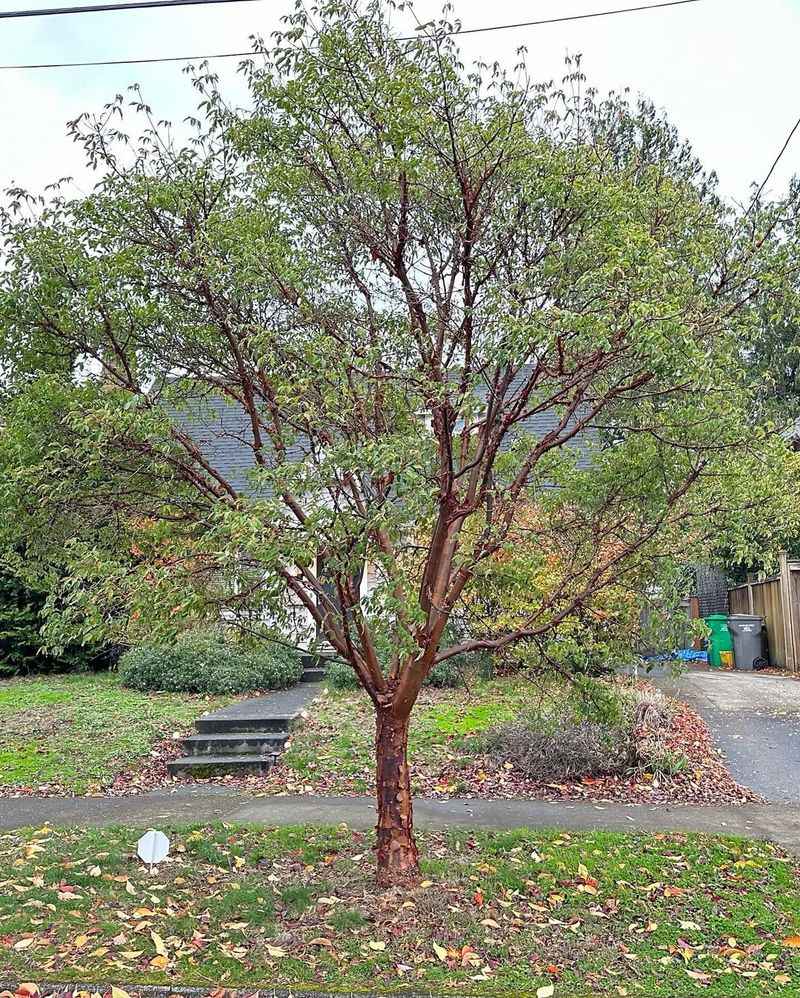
(222, 431)
(540, 423)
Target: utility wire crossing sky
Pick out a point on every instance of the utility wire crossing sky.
(101, 7)
(142, 4)
(722, 70)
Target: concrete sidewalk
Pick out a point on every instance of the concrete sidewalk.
(777, 823)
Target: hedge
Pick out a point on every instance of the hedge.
(207, 663)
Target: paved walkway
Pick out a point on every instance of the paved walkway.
(278, 703)
(755, 721)
(780, 824)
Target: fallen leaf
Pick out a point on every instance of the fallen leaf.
(793, 941)
(546, 992)
(440, 951)
(159, 962)
(158, 942)
(379, 946)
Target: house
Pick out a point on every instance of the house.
(222, 431)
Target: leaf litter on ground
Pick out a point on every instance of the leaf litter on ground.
(520, 911)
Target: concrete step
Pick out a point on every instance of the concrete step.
(220, 765)
(275, 724)
(235, 743)
(248, 736)
(310, 675)
(276, 713)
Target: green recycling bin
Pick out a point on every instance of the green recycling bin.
(720, 643)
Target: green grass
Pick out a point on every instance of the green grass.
(594, 914)
(76, 732)
(337, 738)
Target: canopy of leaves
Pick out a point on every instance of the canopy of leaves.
(378, 280)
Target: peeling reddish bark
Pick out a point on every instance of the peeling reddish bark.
(398, 858)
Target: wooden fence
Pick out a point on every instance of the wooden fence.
(777, 600)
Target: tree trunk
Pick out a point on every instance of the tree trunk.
(398, 858)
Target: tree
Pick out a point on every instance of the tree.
(379, 275)
(771, 346)
(21, 652)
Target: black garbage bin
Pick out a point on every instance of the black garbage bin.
(747, 631)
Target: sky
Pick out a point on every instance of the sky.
(723, 70)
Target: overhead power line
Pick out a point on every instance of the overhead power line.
(571, 17)
(774, 166)
(240, 55)
(133, 62)
(94, 8)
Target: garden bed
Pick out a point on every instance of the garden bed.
(586, 914)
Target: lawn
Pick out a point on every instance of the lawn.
(76, 733)
(335, 745)
(591, 914)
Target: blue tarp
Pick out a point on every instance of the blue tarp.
(690, 655)
(683, 655)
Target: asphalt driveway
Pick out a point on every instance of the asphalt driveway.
(755, 721)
